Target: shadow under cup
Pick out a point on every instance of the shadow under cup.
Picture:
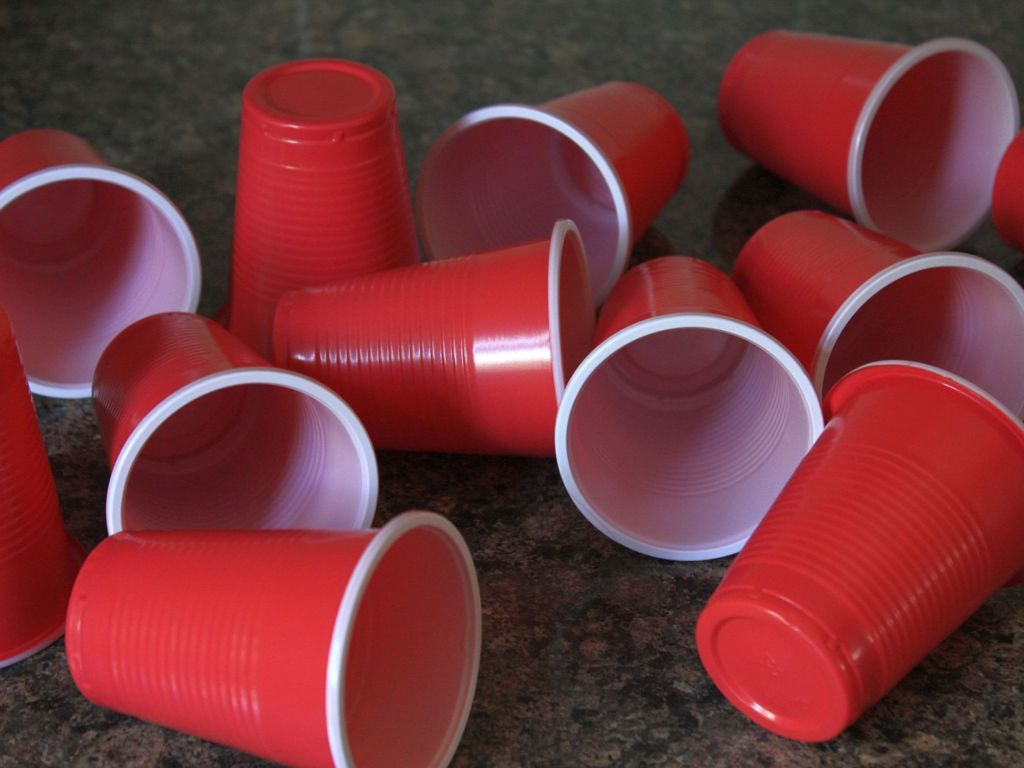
(84, 252)
(683, 432)
(248, 449)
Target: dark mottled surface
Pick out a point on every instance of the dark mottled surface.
(589, 654)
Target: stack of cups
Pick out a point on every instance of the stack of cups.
(201, 432)
(312, 648)
(85, 250)
(889, 535)
(38, 560)
(609, 158)
(322, 192)
(466, 355)
(840, 296)
(906, 140)
(678, 430)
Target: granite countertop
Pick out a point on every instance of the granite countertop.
(589, 655)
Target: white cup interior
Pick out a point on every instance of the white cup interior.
(676, 440)
(238, 454)
(503, 175)
(951, 311)
(409, 669)
(84, 252)
(929, 142)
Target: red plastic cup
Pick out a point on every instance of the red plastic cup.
(322, 192)
(38, 560)
(85, 250)
(678, 430)
(840, 296)
(890, 534)
(201, 432)
(467, 355)
(308, 648)
(1008, 195)
(609, 158)
(907, 140)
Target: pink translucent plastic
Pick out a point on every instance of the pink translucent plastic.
(953, 318)
(73, 280)
(687, 435)
(251, 456)
(203, 433)
(678, 430)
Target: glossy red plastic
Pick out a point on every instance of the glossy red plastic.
(201, 432)
(85, 250)
(38, 560)
(1008, 195)
(608, 157)
(322, 192)
(308, 648)
(889, 535)
(677, 431)
(466, 355)
(907, 140)
(839, 296)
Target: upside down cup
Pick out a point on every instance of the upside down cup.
(905, 139)
(892, 531)
(1008, 195)
(678, 430)
(840, 296)
(201, 432)
(322, 192)
(311, 648)
(609, 158)
(85, 250)
(38, 559)
(466, 355)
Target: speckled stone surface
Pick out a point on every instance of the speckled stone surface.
(589, 656)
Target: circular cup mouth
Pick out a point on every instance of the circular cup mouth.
(570, 313)
(454, 594)
(932, 189)
(272, 448)
(938, 309)
(118, 251)
(471, 198)
(676, 433)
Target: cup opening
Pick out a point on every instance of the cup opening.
(252, 450)
(502, 175)
(84, 252)
(929, 141)
(408, 673)
(678, 433)
(951, 311)
(570, 303)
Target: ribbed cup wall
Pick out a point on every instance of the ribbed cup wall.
(452, 355)
(37, 565)
(889, 534)
(667, 285)
(798, 269)
(791, 101)
(152, 359)
(642, 136)
(204, 636)
(308, 213)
